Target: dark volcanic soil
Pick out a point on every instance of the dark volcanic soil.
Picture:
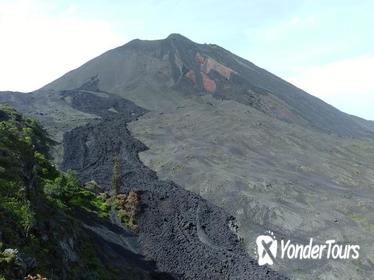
(185, 235)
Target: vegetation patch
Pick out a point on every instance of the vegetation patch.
(39, 234)
(127, 209)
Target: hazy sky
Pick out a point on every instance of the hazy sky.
(324, 47)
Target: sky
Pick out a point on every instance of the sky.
(325, 47)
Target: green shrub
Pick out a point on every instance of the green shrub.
(16, 216)
(64, 187)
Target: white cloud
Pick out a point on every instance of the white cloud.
(347, 84)
(347, 77)
(38, 45)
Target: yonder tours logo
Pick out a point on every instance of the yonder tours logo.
(269, 249)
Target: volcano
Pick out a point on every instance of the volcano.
(221, 149)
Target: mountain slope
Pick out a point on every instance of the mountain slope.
(142, 70)
(170, 215)
(181, 235)
(40, 229)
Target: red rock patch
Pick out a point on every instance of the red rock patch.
(224, 71)
(208, 64)
(209, 84)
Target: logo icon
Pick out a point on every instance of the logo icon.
(267, 247)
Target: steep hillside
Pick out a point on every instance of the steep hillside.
(187, 236)
(39, 231)
(45, 213)
(269, 174)
(149, 73)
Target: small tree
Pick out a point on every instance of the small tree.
(116, 176)
(64, 187)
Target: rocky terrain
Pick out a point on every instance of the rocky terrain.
(181, 236)
(51, 227)
(227, 141)
(187, 236)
